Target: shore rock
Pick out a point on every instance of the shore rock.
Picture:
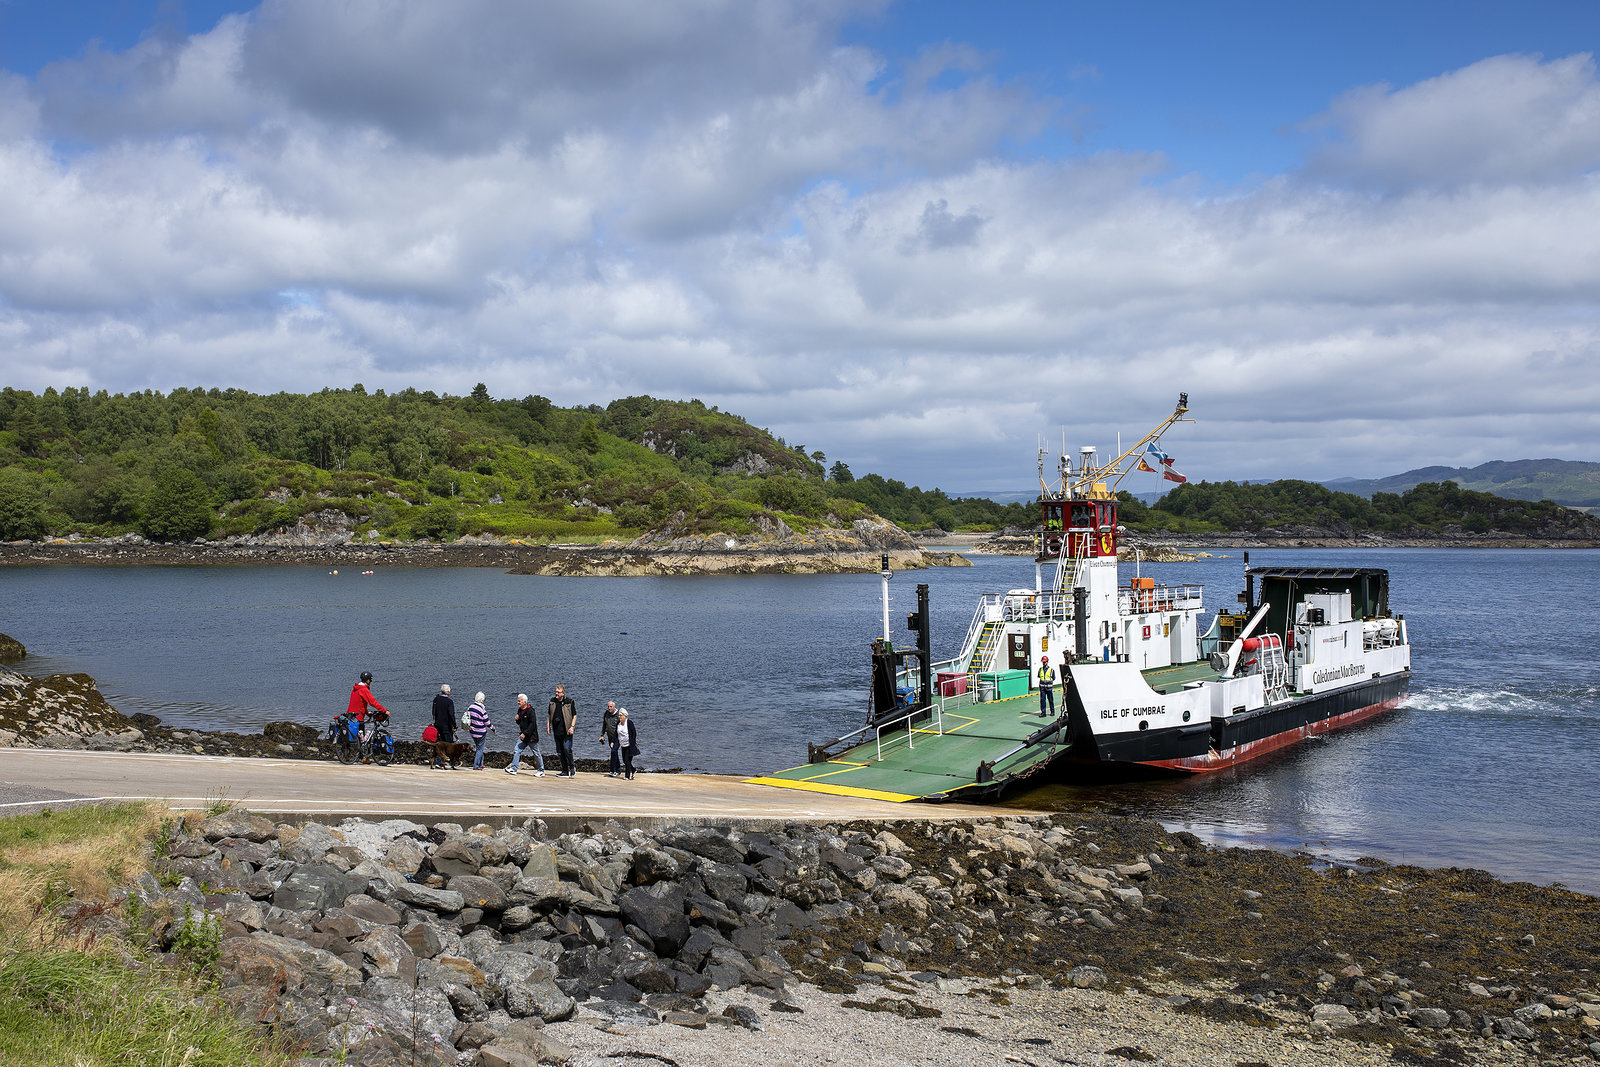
(682, 926)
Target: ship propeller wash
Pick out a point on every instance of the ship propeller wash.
(1307, 650)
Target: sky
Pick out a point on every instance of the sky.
(919, 237)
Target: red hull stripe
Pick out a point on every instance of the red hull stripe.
(1216, 761)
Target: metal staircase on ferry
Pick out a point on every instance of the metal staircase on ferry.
(988, 641)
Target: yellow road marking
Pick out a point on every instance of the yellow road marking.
(836, 790)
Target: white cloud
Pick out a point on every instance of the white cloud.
(717, 200)
(1511, 118)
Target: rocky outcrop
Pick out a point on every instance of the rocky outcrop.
(11, 649)
(780, 550)
(61, 711)
(858, 550)
(398, 942)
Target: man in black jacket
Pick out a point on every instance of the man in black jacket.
(527, 738)
(562, 722)
(608, 734)
(444, 721)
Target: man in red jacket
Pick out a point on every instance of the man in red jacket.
(360, 699)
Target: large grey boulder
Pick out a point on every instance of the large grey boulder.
(658, 911)
(385, 954)
(651, 865)
(312, 888)
(267, 959)
(538, 999)
(239, 824)
(311, 844)
(478, 892)
(455, 857)
(420, 896)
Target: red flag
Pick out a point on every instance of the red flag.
(1171, 474)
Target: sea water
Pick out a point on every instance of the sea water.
(1489, 764)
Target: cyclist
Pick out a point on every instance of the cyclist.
(360, 699)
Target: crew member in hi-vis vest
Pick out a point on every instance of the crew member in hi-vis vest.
(1047, 686)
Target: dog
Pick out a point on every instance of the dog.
(453, 751)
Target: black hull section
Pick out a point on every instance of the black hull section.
(1269, 722)
(1219, 743)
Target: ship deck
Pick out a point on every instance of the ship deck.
(1173, 678)
(933, 765)
(936, 765)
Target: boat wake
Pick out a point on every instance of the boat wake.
(1564, 701)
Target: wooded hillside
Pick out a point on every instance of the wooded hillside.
(219, 463)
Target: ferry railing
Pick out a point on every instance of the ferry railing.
(934, 710)
(1132, 601)
(1032, 607)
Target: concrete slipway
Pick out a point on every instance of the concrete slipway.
(293, 790)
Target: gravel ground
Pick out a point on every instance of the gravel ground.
(1030, 1026)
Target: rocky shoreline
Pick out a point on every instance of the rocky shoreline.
(396, 942)
(856, 550)
(1069, 938)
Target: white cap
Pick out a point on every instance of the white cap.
(445, 688)
(479, 697)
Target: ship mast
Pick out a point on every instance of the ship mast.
(1110, 474)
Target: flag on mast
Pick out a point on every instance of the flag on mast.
(1167, 470)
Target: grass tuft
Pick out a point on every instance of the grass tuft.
(92, 1006)
(72, 991)
(81, 851)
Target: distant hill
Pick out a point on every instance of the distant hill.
(1563, 481)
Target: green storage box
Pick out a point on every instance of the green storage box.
(1013, 684)
(1003, 684)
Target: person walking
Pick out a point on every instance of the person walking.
(479, 726)
(527, 738)
(1047, 686)
(608, 733)
(562, 722)
(444, 722)
(361, 699)
(627, 742)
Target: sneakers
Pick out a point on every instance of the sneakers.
(538, 774)
(613, 774)
(511, 770)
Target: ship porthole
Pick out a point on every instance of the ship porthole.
(1144, 724)
(1186, 716)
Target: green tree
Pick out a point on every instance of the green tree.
(438, 520)
(30, 438)
(589, 437)
(21, 507)
(840, 473)
(442, 481)
(177, 507)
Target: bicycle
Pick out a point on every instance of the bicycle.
(349, 747)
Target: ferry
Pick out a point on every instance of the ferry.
(1130, 677)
